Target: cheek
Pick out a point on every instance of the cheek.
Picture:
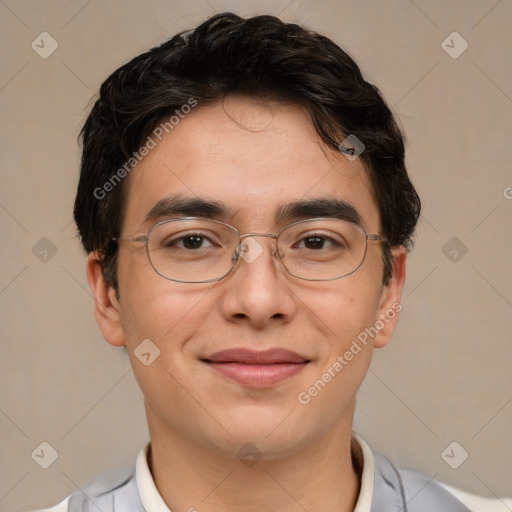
(346, 313)
(167, 316)
(346, 310)
(156, 308)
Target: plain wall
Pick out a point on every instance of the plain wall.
(446, 376)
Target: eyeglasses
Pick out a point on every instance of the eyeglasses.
(197, 250)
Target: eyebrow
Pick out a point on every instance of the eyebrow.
(317, 207)
(178, 205)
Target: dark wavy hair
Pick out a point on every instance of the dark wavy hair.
(260, 57)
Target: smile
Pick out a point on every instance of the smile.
(257, 369)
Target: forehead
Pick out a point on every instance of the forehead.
(252, 158)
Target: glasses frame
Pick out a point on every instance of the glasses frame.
(236, 255)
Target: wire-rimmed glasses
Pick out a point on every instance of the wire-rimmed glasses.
(199, 250)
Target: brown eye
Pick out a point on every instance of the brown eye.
(192, 242)
(314, 242)
(188, 241)
(319, 242)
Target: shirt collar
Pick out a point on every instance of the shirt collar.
(149, 495)
(153, 501)
(364, 501)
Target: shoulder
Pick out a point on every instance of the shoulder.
(111, 493)
(411, 491)
(478, 503)
(60, 507)
(423, 494)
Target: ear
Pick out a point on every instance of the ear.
(390, 305)
(106, 305)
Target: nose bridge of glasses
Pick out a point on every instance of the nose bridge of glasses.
(270, 235)
(250, 250)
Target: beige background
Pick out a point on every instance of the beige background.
(447, 374)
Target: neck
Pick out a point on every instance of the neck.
(322, 477)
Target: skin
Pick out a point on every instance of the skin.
(198, 420)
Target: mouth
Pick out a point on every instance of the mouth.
(257, 369)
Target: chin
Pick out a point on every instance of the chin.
(272, 431)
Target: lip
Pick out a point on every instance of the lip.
(257, 369)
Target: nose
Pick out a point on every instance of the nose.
(258, 291)
(249, 249)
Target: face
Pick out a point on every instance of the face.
(253, 158)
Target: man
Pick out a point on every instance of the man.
(246, 211)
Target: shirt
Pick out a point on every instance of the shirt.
(152, 501)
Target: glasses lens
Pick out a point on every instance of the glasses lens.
(192, 250)
(322, 249)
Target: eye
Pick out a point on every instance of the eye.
(190, 241)
(319, 241)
